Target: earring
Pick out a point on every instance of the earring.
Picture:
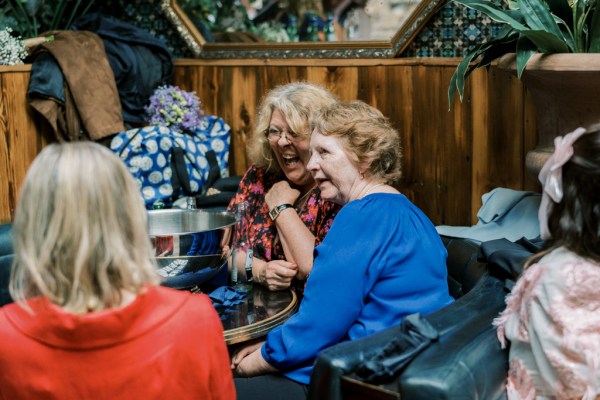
(362, 174)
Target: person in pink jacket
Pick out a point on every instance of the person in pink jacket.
(552, 319)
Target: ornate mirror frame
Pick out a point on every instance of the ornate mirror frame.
(341, 49)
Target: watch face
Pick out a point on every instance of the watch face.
(273, 213)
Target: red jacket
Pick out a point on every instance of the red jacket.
(166, 344)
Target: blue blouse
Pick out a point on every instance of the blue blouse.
(381, 260)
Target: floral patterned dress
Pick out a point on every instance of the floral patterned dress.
(316, 213)
(552, 321)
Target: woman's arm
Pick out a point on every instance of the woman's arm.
(297, 240)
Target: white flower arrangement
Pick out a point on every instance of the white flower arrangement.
(12, 49)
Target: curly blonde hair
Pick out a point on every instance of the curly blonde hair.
(299, 102)
(80, 232)
(367, 136)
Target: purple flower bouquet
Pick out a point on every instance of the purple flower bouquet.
(175, 108)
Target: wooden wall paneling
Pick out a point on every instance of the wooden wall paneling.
(506, 152)
(450, 158)
(475, 99)
(341, 81)
(455, 162)
(237, 106)
(20, 139)
(441, 157)
(530, 138)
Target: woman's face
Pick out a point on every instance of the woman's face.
(291, 151)
(335, 173)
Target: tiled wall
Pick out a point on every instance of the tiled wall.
(449, 33)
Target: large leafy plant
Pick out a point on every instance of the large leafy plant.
(30, 18)
(531, 26)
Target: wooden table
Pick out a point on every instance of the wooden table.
(261, 311)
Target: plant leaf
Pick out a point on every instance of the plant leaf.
(539, 18)
(488, 52)
(560, 8)
(498, 50)
(525, 50)
(457, 82)
(547, 42)
(510, 17)
(32, 7)
(594, 31)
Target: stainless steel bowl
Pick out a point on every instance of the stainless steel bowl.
(191, 246)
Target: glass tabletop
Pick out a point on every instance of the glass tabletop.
(260, 311)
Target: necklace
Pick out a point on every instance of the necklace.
(373, 188)
(299, 202)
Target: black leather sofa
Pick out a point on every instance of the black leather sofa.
(6, 258)
(463, 361)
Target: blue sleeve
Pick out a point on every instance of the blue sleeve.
(335, 291)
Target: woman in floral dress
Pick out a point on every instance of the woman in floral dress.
(283, 210)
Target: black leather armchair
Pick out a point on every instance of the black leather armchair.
(464, 361)
(6, 258)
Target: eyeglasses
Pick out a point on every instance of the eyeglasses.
(274, 134)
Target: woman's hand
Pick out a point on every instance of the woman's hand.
(248, 361)
(243, 352)
(275, 275)
(281, 193)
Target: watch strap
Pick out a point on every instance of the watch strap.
(275, 211)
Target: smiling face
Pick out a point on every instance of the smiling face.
(291, 151)
(336, 174)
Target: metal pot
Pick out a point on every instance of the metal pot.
(191, 246)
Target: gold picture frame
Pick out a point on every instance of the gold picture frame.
(200, 48)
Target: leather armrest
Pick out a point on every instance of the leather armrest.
(6, 258)
(466, 363)
(482, 303)
(6, 246)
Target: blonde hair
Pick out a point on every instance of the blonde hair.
(367, 136)
(80, 231)
(299, 102)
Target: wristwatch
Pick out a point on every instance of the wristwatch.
(275, 211)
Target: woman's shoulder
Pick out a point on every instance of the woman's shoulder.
(260, 176)
(373, 212)
(388, 205)
(570, 273)
(560, 262)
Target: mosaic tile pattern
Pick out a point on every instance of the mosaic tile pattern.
(450, 33)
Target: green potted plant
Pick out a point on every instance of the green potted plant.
(30, 18)
(531, 26)
(543, 43)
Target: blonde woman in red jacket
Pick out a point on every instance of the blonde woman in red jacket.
(90, 320)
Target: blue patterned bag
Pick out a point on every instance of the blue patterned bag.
(168, 165)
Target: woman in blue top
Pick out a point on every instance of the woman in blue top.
(381, 260)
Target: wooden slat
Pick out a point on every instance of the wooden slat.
(19, 141)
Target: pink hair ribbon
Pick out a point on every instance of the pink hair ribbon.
(551, 176)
